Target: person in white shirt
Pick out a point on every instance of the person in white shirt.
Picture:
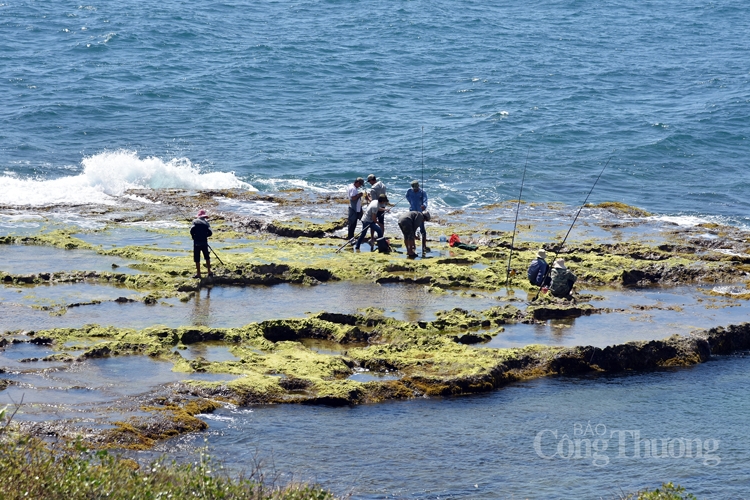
(370, 219)
(355, 206)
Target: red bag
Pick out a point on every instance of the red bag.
(453, 240)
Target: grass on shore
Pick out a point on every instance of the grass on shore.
(29, 468)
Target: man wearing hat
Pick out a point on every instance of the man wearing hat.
(562, 280)
(417, 198)
(537, 272)
(409, 222)
(200, 232)
(355, 206)
(370, 219)
(376, 189)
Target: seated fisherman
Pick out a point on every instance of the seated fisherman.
(537, 273)
(562, 280)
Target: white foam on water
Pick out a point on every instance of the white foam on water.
(156, 224)
(107, 176)
(681, 220)
(273, 184)
(729, 290)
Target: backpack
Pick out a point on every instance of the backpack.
(561, 285)
(534, 271)
(384, 246)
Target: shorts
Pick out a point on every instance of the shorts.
(407, 227)
(197, 253)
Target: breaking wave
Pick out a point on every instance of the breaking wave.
(108, 176)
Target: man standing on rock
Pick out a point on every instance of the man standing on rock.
(200, 232)
(376, 189)
(355, 206)
(417, 198)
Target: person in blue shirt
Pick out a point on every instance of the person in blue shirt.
(417, 198)
(538, 272)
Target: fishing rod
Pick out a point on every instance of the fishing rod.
(216, 255)
(557, 251)
(422, 156)
(515, 224)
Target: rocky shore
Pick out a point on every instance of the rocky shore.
(273, 361)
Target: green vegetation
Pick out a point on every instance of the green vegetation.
(667, 491)
(29, 468)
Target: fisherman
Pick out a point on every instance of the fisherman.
(355, 206)
(370, 219)
(538, 270)
(200, 232)
(409, 222)
(417, 198)
(376, 189)
(562, 280)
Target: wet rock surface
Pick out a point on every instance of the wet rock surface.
(268, 361)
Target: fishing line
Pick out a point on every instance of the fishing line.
(422, 156)
(570, 228)
(515, 224)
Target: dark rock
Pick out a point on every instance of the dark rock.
(559, 312)
(270, 269)
(341, 319)
(471, 338)
(189, 335)
(294, 384)
(319, 274)
(41, 341)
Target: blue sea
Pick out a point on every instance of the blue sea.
(469, 98)
(100, 97)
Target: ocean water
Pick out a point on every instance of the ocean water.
(100, 97)
(465, 96)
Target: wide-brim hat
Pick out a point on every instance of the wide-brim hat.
(414, 183)
(371, 177)
(541, 253)
(202, 213)
(560, 264)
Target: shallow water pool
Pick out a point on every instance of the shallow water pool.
(507, 444)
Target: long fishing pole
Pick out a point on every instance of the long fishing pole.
(515, 224)
(422, 156)
(557, 251)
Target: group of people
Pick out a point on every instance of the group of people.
(372, 214)
(559, 280)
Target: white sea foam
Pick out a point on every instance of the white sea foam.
(682, 220)
(273, 184)
(107, 176)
